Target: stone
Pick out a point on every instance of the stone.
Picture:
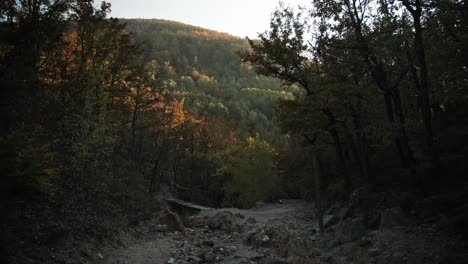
(273, 260)
(329, 220)
(231, 248)
(349, 230)
(172, 221)
(208, 243)
(364, 242)
(251, 220)
(374, 252)
(265, 239)
(252, 233)
(161, 228)
(373, 219)
(260, 204)
(194, 259)
(239, 215)
(332, 244)
(393, 217)
(223, 220)
(344, 213)
(209, 257)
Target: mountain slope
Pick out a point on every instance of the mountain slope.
(189, 47)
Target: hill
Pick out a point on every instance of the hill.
(189, 47)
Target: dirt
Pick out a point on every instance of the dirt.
(200, 244)
(280, 233)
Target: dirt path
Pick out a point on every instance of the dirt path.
(284, 233)
(241, 237)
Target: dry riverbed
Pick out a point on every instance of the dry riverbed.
(283, 233)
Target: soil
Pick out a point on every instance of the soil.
(274, 234)
(281, 233)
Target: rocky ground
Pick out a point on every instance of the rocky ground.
(286, 233)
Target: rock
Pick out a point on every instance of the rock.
(265, 239)
(194, 259)
(218, 249)
(373, 218)
(171, 261)
(344, 213)
(222, 220)
(302, 260)
(251, 220)
(373, 252)
(209, 257)
(260, 204)
(326, 258)
(231, 249)
(239, 215)
(364, 242)
(172, 221)
(208, 243)
(257, 256)
(349, 230)
(393, 217)
(272, 260)
(161, 228)
(329, 220)
(332, 244)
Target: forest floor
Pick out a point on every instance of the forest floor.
(283, 233)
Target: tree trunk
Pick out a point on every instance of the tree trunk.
(401, 127)
(339, 154)
(318, 195)
(358, 146)
(422, 85)
(154, 175)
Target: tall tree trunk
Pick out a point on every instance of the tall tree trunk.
(340, 155)
(379, 75)
(154, 177)
(318, 193)
(338, 147)
(401, 126)
(311, 136)
(399, 141)
(358, 146)
(422, 81)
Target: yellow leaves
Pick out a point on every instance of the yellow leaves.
(178, 113)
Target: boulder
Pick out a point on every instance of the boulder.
(260, 204)
(223, 220)
(350, 230)
(172, 221)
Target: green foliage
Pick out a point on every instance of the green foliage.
(254, 177)
(26, 162)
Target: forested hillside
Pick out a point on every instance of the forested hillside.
(101, 118)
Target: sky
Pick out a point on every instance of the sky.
(237, 17)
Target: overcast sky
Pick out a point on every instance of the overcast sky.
(237, 17)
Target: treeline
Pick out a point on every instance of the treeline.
(384, 91)
(98, 117)
(95, 124)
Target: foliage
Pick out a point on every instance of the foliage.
(27, 163)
